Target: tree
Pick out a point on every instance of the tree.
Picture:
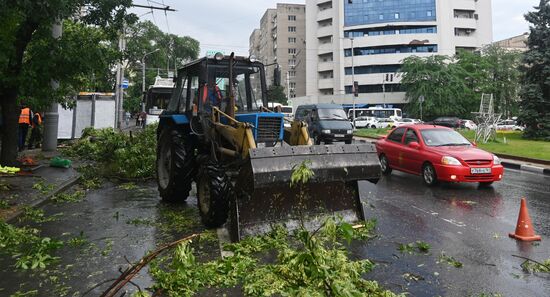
(535, 92)
(174, 51)
(440, 81)
(504, 79)
(30, 58)
(277, 94)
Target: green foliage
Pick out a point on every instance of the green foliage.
(25, 294)
(535, 92)
(78, 241)
(128, 186)
(120, 154)
(301, 173)
(307, 264)
(43, 188)
(452, 86)
(450, 260)
(530, 266)
(411, 248)
(26, 247)
(36, 215)
(277, 94)
(75, 196)
(4, 204)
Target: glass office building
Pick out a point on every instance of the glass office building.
(364, 12)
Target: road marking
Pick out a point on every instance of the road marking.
(435, 214)
(223, 238)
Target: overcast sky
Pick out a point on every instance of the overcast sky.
(226, 25)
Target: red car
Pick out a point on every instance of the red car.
(437, 154)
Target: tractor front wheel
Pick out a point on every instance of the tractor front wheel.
(175, 166)
(214, 191)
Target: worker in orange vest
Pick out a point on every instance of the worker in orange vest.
(36, 132)
(25, 120)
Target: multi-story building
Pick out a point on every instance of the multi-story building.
(367, 40)
(280, 40)
(516, 43)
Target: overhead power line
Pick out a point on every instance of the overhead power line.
(166, 8)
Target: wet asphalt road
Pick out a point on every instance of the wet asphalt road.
(464, 222)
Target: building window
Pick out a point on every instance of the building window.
(396, 15)
(292, 73)
(381, 17)
(292, 51)
(291, 29)
(292, 40)
(292, 18)
(429, 13)
(292, 86)
(292, 62)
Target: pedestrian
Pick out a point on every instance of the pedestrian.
(25, 120)
(142, 119)
(36, 132)
(127, 118)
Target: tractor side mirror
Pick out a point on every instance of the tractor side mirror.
(414, 145)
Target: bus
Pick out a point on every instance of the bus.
(156, 99)
(377, 112)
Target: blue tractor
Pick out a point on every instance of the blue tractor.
(217, 133)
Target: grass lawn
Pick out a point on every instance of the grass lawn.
(514, 145)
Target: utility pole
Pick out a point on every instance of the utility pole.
(51, 117)
(287, 84)
(354, 91)
(119, 95)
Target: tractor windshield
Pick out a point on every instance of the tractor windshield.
(247, 86)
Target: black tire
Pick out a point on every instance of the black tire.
(373, 127)
(385, 165)
(485, 184)
(175, 166)
(429, 176)
(317, 140)
(214, 193)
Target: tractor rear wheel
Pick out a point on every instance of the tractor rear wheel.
(214, 192)
(175, 166)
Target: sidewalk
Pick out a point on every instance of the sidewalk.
(16, 191)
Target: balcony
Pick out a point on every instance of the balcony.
(325, 48)
(321, 2)
(325, 66)
(327, 83)
(325, 31)
(464, 4)
(325, 14)
(465, 23)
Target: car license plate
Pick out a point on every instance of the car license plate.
(339, 135)
(480, 170)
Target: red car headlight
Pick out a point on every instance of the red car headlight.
(448, 160)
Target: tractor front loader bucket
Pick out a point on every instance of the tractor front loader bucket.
(265, 198)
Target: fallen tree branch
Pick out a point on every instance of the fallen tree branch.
(534, 261)
(129, 273)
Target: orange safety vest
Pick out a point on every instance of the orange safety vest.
(25, 116)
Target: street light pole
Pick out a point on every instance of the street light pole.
(143, 68)
(353, 81)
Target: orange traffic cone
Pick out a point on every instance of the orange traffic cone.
(524, 228)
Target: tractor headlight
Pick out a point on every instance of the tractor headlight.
(325, 131)
(218, 56)
(349, 131)
(447, 160)
(496, 160)
(252, 59)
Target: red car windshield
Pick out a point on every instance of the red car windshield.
(443, 137)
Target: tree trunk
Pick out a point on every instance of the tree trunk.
(10, 119)
(10, 91)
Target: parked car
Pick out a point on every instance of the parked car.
(451, 122)
(326, 122)
(468, 124)
(365, 122)
(437, 154)
(407, 121)
(509, 125)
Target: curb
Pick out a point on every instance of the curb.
(39, 202)
(526, 167)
